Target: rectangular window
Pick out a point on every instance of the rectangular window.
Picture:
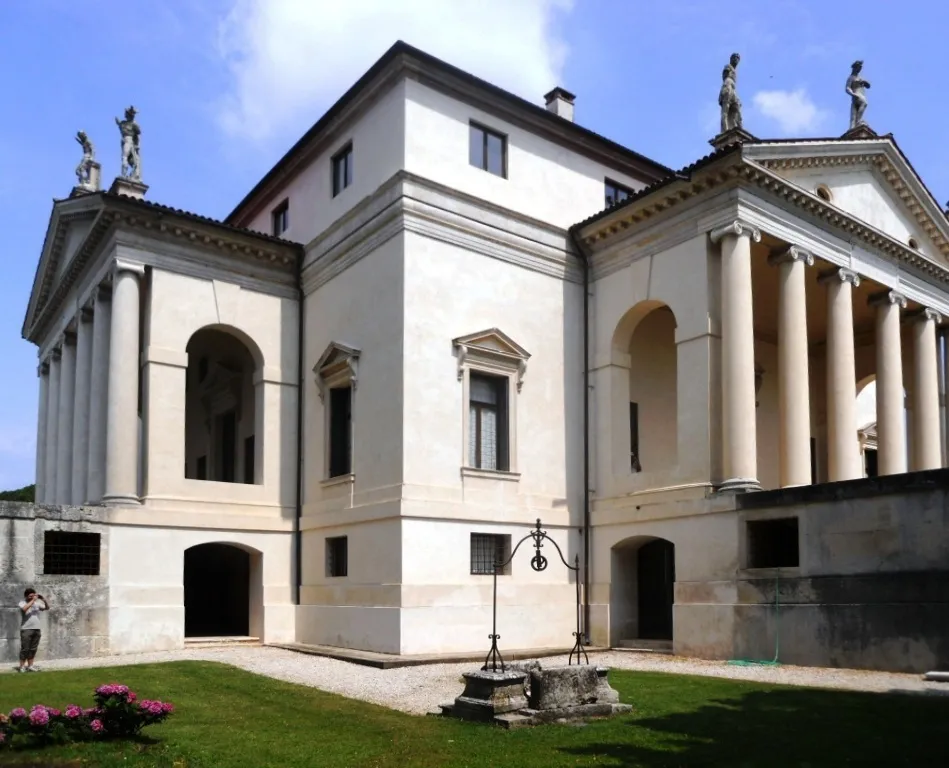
(342, 169)
(616, 193)
(341, 400)
(488, 549)
(634, 462)
(66, 553)
(773, 543)
(487, 422)
(487, 150)
(249, 460)
(280, 219)
(870, 462)
(337, 556)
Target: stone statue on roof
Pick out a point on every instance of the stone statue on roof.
(858, 100)
(87, 170)
(728, 96)
(131, 162)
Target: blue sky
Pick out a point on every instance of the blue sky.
(223, 87)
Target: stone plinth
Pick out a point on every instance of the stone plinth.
(558, 694)
(128, 187)
(731, 136)
(489, 694)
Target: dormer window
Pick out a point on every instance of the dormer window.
(615, 192)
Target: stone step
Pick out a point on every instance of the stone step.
(210, 642)
(937, 677)
(645, 646)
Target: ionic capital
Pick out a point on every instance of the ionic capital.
(840, 275)
(887, 297)
(43, 368)
(791, 254)
(925, 315)
(124, 265)
(86, 312)
(66, 339)
(736, 228)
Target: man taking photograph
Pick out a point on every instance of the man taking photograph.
(30, 608)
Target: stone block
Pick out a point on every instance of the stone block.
(605, 693)
(488, 694)
(560, 687)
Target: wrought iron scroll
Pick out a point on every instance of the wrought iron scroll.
(494, 660)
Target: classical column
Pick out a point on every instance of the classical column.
(80, 429)
(52, 427)
(739, 438)
(927, 451)
(67, 389)
(41, 420)
(843, 448)
(944, 340)
(794, 409)
(891, 420)
(98, 393)
(122, 457)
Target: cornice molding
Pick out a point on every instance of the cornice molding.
(409, 203)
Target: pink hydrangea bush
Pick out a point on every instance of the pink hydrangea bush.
(117, 714)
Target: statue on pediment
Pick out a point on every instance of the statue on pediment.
(87, 170)
(856, 86)
(728, 96)
(131, 162)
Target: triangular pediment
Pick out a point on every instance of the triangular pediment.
(868, 179)
(492, 340)
(69, 225)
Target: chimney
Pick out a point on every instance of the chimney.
(560, 102)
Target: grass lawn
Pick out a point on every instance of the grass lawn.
(228, 717)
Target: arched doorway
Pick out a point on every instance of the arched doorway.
(218, 591)
(221, 410)
(642, 590)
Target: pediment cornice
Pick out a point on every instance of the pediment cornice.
(882, 158)
(737, 171)
(112, 213)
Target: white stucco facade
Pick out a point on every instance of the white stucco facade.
(392, 355)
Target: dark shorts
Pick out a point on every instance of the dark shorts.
(29, 642)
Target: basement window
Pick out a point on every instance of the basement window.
(773, 543)
(337, 556)
(67, 553)
(488, 549)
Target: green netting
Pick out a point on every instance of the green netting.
(777, 639)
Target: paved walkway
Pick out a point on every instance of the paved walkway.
(421, 689)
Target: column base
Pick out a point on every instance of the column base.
(739, 485)
(121, 501)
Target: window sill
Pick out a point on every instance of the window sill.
(338, 480)
(491, 474)
(791, 571)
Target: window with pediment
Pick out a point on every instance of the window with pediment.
(491, 368)
(336, 377)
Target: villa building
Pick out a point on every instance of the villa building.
(447, 312)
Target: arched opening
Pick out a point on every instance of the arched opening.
(642, 591)
(222, 592)
(647, 335)
(867, 423)
(221, 410)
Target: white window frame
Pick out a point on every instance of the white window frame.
(338, 366)
(494, 353)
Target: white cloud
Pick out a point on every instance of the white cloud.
(793, 111)
(290, 59)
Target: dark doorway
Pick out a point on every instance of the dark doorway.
(655, 578)
(217, 591)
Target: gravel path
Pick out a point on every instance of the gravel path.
(418, 690)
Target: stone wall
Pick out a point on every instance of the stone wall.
(872, 587)
(77, 622)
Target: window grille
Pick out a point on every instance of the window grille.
(488, 549)
(67, 553)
